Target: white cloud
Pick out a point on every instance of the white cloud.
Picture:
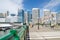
(52, 4)
(10, 5)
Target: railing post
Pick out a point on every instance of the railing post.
(26, 30)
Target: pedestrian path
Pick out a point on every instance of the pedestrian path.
(41, 29)
(44, 33)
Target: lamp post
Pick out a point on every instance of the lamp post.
(38, 23)
(38, 18)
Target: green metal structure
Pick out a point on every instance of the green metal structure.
(16, 34)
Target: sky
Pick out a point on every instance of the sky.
(53, 5)
(13, 5)
(10, 5)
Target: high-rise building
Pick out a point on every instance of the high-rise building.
(21, 15)
(53, 17)
(42, 20)
(13, 14)
(27, 17)
(3, 16)
(35, 15)
(58, 18)
(47, 16)
(8, 18)
(12, 18)
(7, 13)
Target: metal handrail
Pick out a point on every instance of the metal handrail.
(6, 37)
(17, 34)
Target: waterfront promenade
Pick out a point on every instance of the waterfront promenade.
(44, 33)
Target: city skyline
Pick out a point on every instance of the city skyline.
(13, 5)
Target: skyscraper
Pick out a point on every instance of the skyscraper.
(47, 16)
(21, 15)
(12, 18)
(3, 16)
(35, 15)
(8, 18)
(27, 17)
(58, 18)
(7, 13)
(53, 17)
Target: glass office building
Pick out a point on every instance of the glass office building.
(21, 15)
(13, 14)
(29, 16)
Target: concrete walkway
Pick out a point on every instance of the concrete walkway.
(44, 33)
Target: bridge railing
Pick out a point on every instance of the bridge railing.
(16, 34)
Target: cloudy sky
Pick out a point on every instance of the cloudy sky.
(10, 5)
(13, 5)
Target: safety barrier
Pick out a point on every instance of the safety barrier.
(16, 34)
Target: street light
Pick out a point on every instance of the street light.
(38, 23)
